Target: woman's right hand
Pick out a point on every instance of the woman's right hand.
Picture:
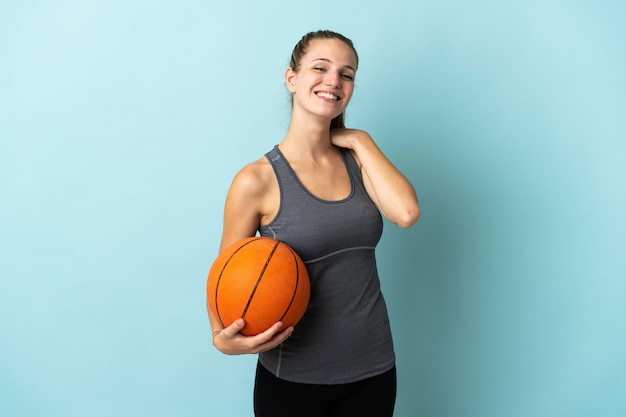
(231, 342)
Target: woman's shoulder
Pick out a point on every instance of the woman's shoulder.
(255, 177)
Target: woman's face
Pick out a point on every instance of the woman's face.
(324, 82)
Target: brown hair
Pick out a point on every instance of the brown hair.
(300, 49)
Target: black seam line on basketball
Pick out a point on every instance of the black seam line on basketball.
(295, 291)
(258, 281)
(219, 278)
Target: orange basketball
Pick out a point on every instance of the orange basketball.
(261, 280)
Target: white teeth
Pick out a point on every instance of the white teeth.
(328, 96)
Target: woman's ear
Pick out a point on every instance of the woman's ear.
(290, 80)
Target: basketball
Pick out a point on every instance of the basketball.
(261, 280)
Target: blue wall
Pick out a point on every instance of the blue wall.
(122, 124)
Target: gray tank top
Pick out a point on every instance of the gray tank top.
(345, 334)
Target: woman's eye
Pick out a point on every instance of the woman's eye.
(347, 77)
(319, 68)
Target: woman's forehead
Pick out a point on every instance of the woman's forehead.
(330, 50)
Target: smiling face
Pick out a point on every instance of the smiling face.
(323, 82)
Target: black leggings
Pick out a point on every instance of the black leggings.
(275, 397)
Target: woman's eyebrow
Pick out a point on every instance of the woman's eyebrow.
(329, 61)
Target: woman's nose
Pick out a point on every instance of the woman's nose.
(333, 79)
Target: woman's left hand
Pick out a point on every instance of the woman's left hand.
(345, 138)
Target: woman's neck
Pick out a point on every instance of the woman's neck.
(309, 137)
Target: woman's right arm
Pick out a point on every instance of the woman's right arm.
(246, 203)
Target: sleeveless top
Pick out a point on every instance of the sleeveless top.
(345, 334)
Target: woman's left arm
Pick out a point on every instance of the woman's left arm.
(387, 187)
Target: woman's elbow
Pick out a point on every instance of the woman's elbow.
(409, 217)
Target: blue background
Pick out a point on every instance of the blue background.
(122, 124)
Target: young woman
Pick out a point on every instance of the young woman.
(321, 190)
